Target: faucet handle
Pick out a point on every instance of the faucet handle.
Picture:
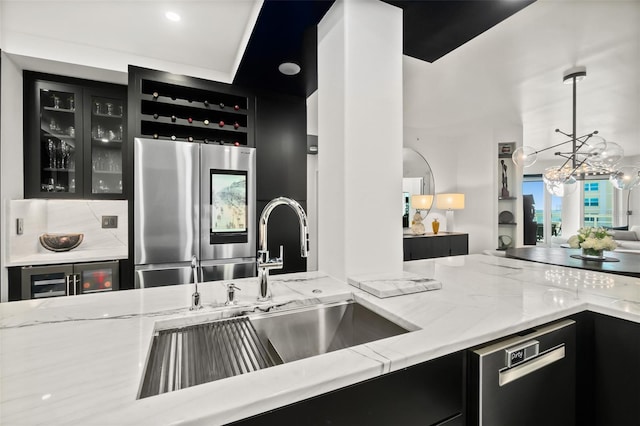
(231, 293)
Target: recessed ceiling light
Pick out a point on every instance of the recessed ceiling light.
(172, 16)
(289, 68)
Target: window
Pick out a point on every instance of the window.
(591, 186)
(598, 203)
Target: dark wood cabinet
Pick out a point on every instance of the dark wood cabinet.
(75, 137)
(425, 394)
(440, 245)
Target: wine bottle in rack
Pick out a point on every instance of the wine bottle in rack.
(155, 95)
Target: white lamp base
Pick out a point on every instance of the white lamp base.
(449, 217)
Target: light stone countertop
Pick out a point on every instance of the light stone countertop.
(79, 360)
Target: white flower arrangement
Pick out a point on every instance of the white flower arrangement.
(595, 239)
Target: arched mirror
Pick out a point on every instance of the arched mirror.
(417, 179)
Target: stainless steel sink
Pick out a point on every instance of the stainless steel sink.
(187, 356)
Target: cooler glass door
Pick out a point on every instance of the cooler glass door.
(97, 277)
(46, 281)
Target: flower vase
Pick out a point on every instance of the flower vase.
(590, 253)
(435, 226)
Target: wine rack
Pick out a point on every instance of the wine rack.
(190, 110)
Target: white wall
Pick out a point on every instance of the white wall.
(11, 168)
(464, 159)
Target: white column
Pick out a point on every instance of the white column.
(360, 121)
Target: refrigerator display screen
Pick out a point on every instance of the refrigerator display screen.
(228, 206)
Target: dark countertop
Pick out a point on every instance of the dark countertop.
(627, 263)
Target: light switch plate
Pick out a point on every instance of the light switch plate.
(20, 226)
(109, 221)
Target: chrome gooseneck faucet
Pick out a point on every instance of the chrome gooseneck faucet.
(263, 261)
(195, 297)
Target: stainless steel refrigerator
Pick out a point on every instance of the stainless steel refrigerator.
(193, 198)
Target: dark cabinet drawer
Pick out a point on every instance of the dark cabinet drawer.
(430, 246)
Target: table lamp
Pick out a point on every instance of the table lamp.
(420, 203)
(450, 202)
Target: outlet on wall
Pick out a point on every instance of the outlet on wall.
(109, 221)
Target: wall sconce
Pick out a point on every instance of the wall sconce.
(450, 202)
(420, 203)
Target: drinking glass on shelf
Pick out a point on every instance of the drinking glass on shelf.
(97, 108)
(71, 131)
(109, 107)
(52, 184)
(98, 132)
(53, 126)
(56, 101)
(72, 102)
(51, 150)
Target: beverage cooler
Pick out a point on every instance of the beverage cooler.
(68, 279)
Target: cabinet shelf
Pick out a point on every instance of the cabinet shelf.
(106, 142)
(59, 135)
(507, 198)
(66, 110)
(107, 172)
(49, 169)
(507, 223)
(118, 116)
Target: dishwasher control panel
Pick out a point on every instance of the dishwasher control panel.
(522, 352)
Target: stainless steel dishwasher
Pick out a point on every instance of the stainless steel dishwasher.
(525, 379)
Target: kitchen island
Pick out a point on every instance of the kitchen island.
(79, 360)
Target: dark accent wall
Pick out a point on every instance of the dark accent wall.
(281, 154)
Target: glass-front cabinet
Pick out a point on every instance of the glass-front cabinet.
(107, 133)
(75, 133)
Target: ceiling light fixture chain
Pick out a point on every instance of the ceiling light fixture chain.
(590, 154)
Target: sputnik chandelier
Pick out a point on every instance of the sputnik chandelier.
(590, 155)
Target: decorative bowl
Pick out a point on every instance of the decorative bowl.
(61, 242)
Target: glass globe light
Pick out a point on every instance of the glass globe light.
(524, 156)
(612, 155)
(559, 181)
(595, 153)
(605, 155)
(562, 189)
(627, 177)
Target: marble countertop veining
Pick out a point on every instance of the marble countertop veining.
(79, 360)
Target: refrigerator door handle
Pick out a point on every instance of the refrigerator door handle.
(67, 281)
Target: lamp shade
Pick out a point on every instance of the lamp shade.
(421, 202)
(450, 201)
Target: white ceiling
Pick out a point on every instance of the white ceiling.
(513, 74)
(207, 42)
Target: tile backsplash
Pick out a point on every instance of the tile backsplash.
(66, 216)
